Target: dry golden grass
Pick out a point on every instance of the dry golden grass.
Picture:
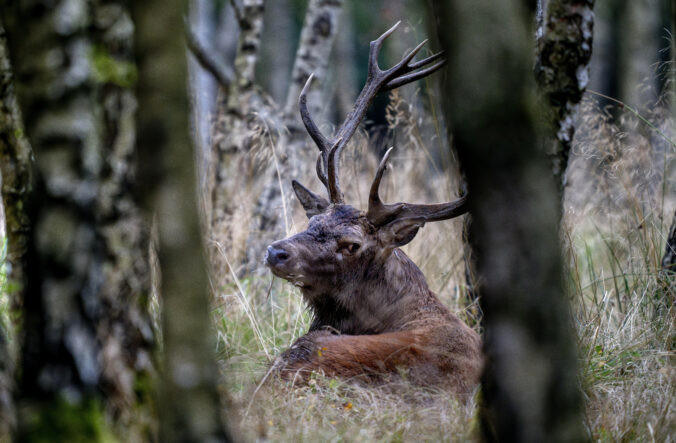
(619, 202)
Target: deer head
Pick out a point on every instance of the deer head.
(347, 263)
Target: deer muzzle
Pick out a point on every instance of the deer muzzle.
(276, 256)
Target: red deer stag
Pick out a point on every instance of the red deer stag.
(373, 313)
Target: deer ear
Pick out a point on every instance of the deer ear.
(312, 203)
(399, 233)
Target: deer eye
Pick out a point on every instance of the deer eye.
(350, 248)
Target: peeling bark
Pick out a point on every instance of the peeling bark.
(87, 334)
(530, 390)
(246, 118)
(190, 408)
(248, 129)
(562, 70)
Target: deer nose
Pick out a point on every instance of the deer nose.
(275, 255)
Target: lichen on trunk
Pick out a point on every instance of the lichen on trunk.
(15, 164)
(88, 339)
(564, 42)
(530, 387)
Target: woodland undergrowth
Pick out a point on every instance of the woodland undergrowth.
(620, 198)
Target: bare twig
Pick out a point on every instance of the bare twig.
(238, 12)
(221, 72)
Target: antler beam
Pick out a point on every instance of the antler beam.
(380, 214)
(377, 80)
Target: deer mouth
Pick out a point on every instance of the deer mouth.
(279, 261)
(291, 277)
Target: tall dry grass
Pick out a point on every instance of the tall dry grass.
(619, 203)
(619, 200)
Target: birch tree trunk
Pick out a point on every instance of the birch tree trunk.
(292, 158)
(87, 334)
(562, 72)
(246, 119)
(15, 162)
(530, 387)
(15, 178)
(190, 408)
(7, 412)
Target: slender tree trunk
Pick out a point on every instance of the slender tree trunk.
(15, 156)
(291, 159)
(245, 121)
(640, 34)
(7, 412)
(203, 86)
(15, 163)
(190, 408)
(344, 62)
(279, 36)
(562, 71)
(530, 387)
(87, 335)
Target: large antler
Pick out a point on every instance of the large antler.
(380, 214)
(377, 80)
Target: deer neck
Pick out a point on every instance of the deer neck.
(386, 298)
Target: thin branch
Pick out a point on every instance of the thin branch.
(238, 12)
(222, 73)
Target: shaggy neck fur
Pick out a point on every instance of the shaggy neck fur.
(388, 298)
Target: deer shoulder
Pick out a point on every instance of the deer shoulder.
(374, 317)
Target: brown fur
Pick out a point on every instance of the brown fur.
(374, 315)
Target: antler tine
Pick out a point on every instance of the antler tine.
(319, 167)
(415, 65)
(380, 214)
(374, 50)
(320, 140)
(374, 197)
(413, 76)
(377, 80)
(335, 194)
(403, 64)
